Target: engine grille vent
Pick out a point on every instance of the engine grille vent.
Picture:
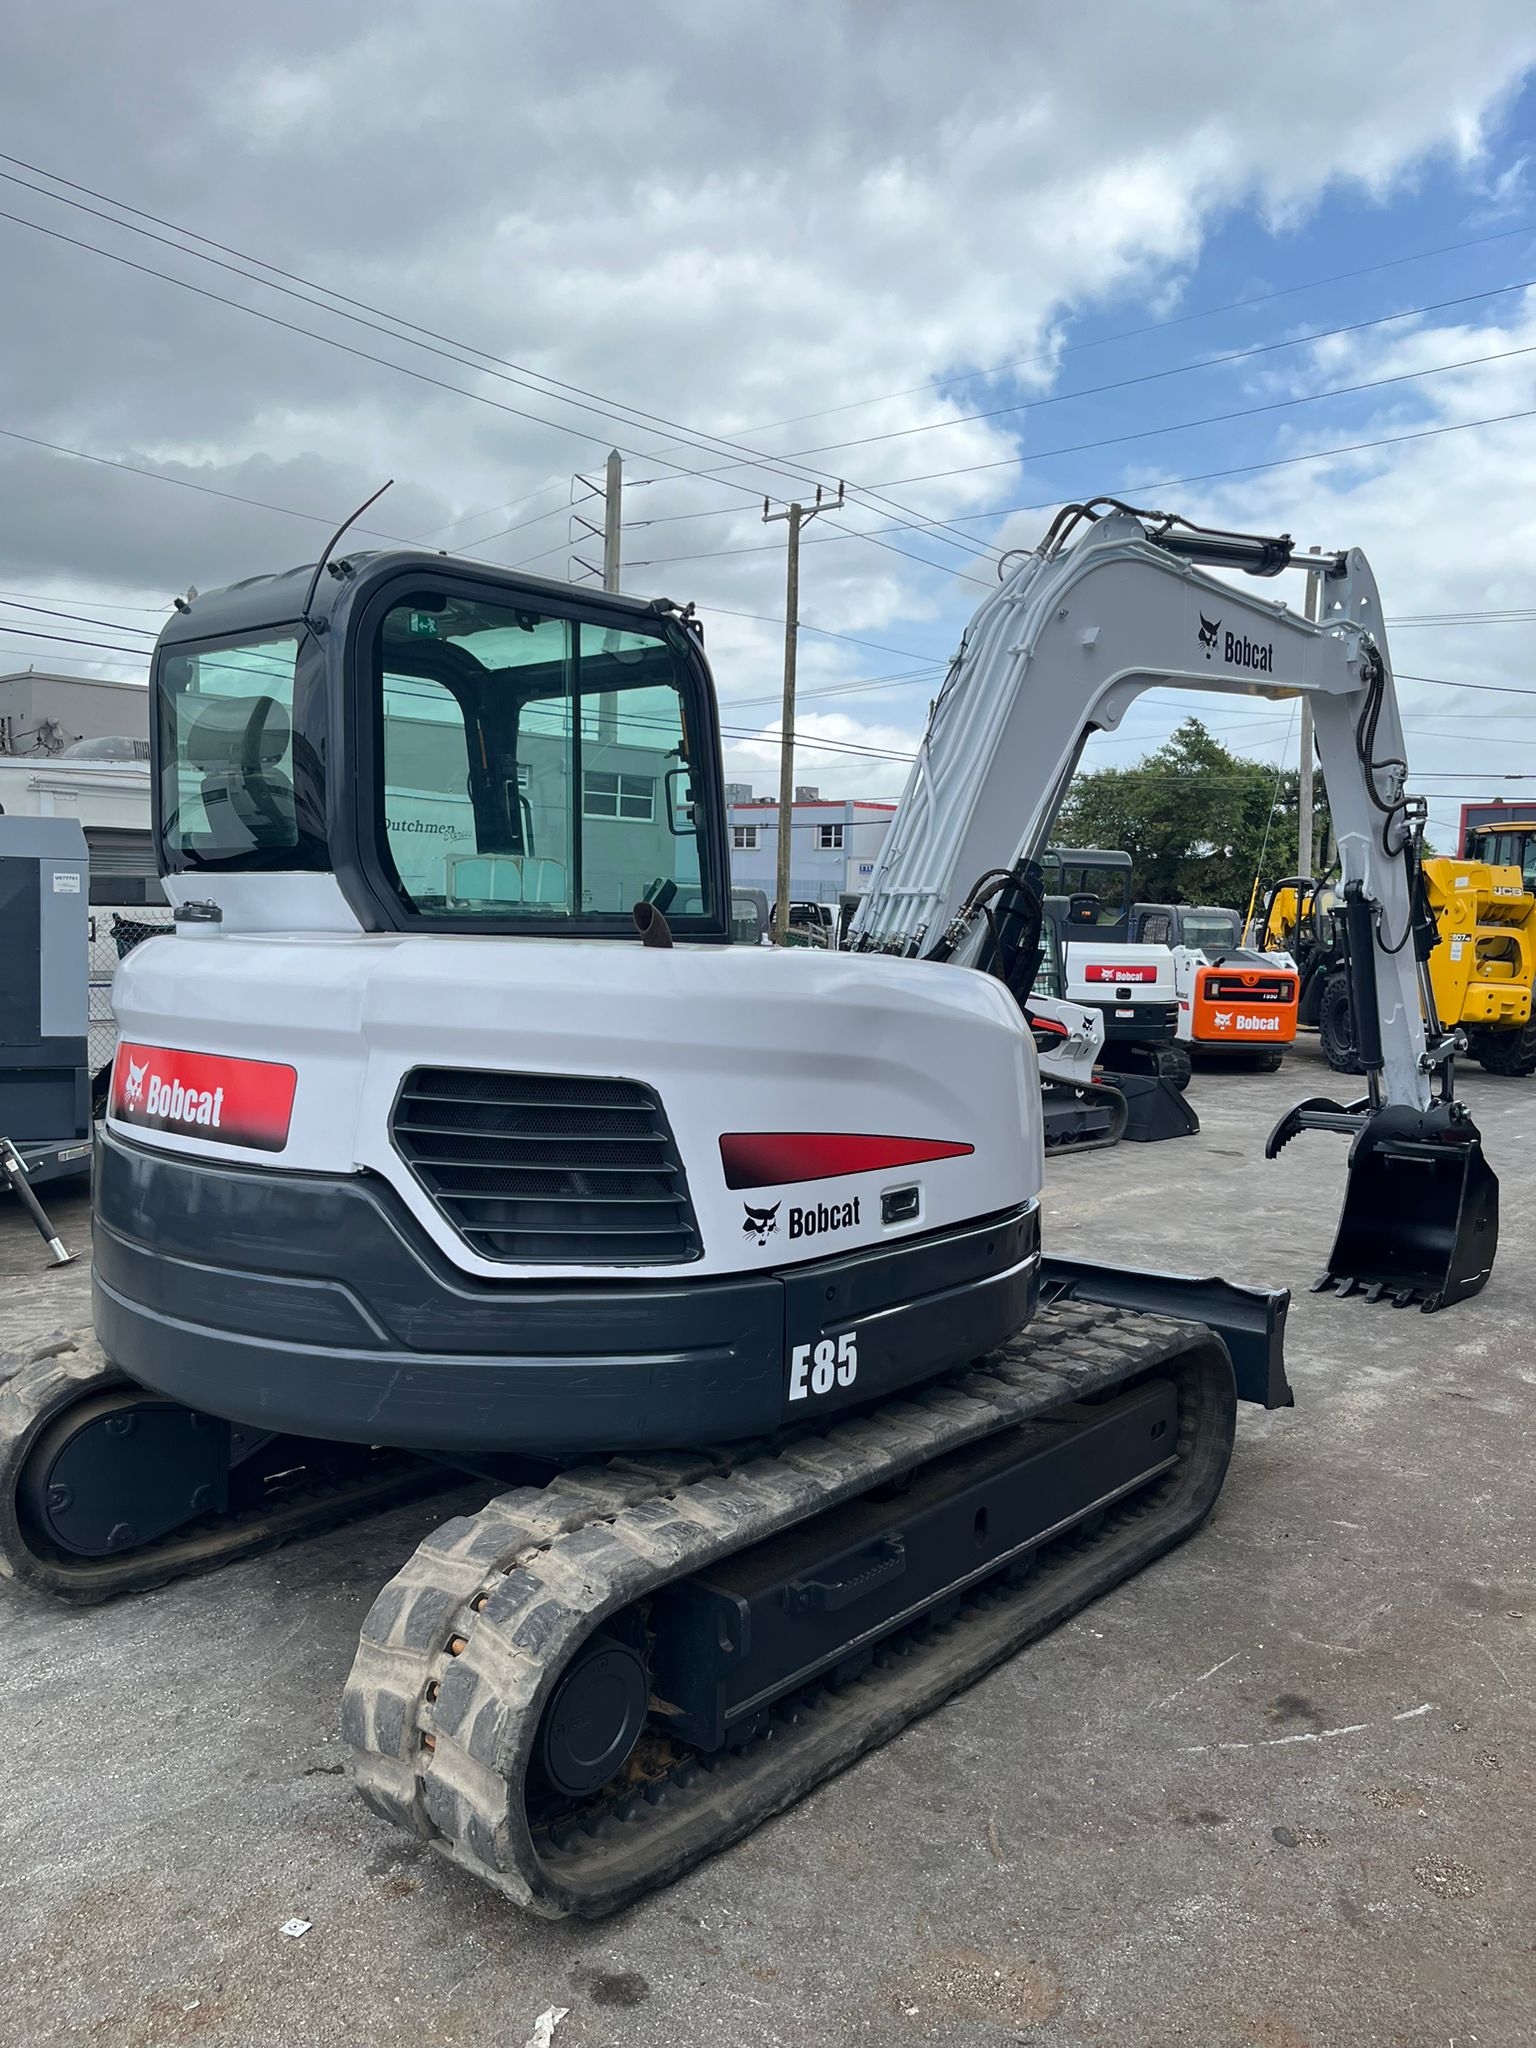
(547, 1169)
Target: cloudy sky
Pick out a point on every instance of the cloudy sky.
(972, 260)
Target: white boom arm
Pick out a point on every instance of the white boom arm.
(1064, 648)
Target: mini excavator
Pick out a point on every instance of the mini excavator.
(450, 1131)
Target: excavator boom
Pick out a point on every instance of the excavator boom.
(1070, 640)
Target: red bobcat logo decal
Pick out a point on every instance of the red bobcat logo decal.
(209, 1096)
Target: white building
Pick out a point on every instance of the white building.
(832, 848)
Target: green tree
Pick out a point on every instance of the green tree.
(1198, 821)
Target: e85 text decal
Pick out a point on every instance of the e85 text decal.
(818, 1368)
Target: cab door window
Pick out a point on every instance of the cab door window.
(535, 767)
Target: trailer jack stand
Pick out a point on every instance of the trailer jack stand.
(14, 1167)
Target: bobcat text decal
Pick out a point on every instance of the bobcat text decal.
(1097, 971)
(762, 1223)
(203, 1095)
(1237, 650)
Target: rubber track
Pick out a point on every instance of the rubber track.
(1089, 1091)
(462, 1648)
(37, 1385)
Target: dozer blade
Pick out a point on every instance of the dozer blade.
(1421, 1211)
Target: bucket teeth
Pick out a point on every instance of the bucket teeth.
(1344, 1285)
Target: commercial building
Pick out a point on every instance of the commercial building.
(42, 713)
(833, 844)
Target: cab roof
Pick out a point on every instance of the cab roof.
(277, 599)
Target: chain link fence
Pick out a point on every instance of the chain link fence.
(114, 933)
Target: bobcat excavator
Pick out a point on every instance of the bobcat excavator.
(450, 1131)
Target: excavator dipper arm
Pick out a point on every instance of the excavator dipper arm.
(1070, 640)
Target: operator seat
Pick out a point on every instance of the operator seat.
(237, 745)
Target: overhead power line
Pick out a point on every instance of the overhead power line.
(1216, 419)
(590, 401)
(405, 331)
(1176, 320)
(1401, 675)
(106, 603)
(1242, 355)
(1173, 482)
(326, 519)
(930, 672)
(1073, 348)
(1245, 412)
(924, 674)
(1465, 619)
(746, 735)
(183, 483)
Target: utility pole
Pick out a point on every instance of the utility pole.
(583, 530)
(613, 499)
(611, 491)
(1304, 784)
(797, 516)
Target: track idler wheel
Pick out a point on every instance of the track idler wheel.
(106, 1488)
(595, 1718)
(117, 1470)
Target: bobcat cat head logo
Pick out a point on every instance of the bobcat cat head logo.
(134, 1087)
(1209, 628)
(760, 1222)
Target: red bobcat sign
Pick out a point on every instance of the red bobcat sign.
(1126, 975)
(203, 1095)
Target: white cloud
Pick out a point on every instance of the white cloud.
(729, 219)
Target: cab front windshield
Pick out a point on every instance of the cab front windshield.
(1510, 850)
(1210, 934)
(1104, 883)
(532, 767)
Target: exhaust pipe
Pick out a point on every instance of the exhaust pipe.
(652, 925)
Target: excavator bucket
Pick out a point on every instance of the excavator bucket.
(1154, 1109)
(1421, 1211)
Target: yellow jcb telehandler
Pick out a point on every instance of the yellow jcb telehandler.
(1481, 968)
